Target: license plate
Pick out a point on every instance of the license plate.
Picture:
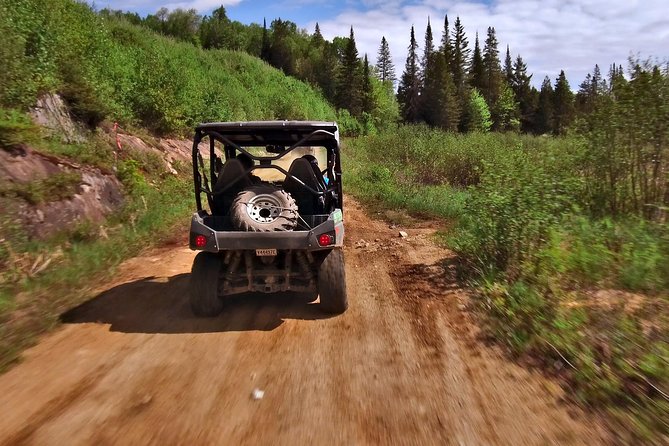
(265, 252)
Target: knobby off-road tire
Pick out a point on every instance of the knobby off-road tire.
(332, 283)
(264, 208)
(204, 298)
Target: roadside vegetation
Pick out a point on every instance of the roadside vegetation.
(564, 238)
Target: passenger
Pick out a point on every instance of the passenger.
(322, 179)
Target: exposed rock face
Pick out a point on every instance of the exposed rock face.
(98, 195)
(23, 165)
(51, 113)
(176, 149)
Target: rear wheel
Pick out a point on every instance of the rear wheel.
(204, 298)
(332, 283)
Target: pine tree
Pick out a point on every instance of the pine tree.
(508, 67)
(408, 94)
(563, 105)
(440, 105)
(458, 67)
(476, 70)
(318, 37)
(584, 101)
(460, 56)
(349, 83)
(599, 86)
(266, 49)
(313, 63)
(384, 63)
(544, 117)
(427, 67)
(491, 69)
(446, 47)
(428, 49)
(367, 93)
(327, 72)
(440, 102)
(615, 75)
(213, 30)
(589, 93)
(524, 94)
(283, 54)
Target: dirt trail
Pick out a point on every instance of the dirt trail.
(402, 366)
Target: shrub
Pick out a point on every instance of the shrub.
(15, 129)
(59, 186)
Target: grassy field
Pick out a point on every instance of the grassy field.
(585, 294)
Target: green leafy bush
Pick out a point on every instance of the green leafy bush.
(130, 174)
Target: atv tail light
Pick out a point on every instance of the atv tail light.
(325, 240)
(200, 241)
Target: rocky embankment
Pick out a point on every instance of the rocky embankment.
(46, 194)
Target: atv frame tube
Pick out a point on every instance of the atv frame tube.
(331, 144)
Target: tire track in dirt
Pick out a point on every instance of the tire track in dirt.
(402, 366)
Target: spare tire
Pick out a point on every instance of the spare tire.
(264, 208)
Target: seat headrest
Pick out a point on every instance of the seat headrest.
(232, 172)
(302, 169)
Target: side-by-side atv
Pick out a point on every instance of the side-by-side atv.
(272, 216)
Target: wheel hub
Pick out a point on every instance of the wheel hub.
(263, 208)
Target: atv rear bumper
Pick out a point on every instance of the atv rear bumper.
(203, 225)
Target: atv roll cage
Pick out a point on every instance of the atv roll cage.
(236, 136)
(284, 233)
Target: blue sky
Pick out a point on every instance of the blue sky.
(550, 35)
(246, 11)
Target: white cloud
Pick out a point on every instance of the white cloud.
(550, 35)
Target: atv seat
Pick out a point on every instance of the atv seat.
(231, 181)
(307, 202)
